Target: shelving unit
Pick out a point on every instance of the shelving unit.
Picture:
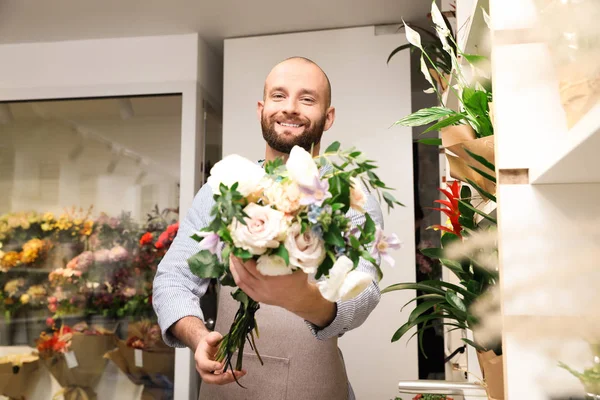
(549, 186)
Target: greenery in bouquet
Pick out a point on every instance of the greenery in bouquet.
(289, 217)
(473, 94)
(447, 303)
(590, 377)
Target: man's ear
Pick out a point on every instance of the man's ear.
(329, 118)
(259, 108)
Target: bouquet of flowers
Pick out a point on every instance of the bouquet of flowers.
(74, 356)
(291, 217)
(146, 360)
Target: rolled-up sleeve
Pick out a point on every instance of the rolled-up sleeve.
(351, 314)
(176, 290)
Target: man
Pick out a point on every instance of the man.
(298, 327)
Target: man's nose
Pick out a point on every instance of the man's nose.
(290, 107)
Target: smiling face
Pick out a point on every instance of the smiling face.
(295, 109)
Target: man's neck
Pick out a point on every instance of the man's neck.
(271, 154)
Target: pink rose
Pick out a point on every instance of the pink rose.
(265, 228)
(306, 250)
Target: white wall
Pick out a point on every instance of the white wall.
(369, 96)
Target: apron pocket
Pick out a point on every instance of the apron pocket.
(263, 382)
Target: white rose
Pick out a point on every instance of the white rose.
(265, 228)
(354, 284)
(284, 196)
(358, 198)
(272, 266)
(330, 287)
(306, 250)
(301, 167)
(235, 168)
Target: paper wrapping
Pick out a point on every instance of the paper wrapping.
(89, 351)
(15, 380)
(493, 374)
(156, 374)
(579, 85)
(455, 139)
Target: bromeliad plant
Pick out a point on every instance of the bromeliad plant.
(443, 301)
(291, 217)
(474, 95)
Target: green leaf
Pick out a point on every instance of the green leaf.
(465, 211)
(205, 265)
(484, 215)
(414, 286)
(473, 344)
(354, 242)
(227, 280)
(324, 267)
(484, 174)
(425, 116)
(396, 50)
(465, 192)
(241, 253)
(367, 256)
(431, 141)
(474, 58)
(433, 252)
(407, 326)
(481, 191)
(282, 252)
(448, 238)
(474, 286)
(391, 200)
(482, 160)
(450, 286)
(424, 297)
(333, 147)
(456, 301)
(451, 120)
(423, 307)
(369, 226)
(334, 237)
(467, 222)
(455, 267)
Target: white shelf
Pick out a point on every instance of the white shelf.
(577, 158)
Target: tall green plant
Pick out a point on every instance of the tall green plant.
(473, 95)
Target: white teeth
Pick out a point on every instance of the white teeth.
(290, 125)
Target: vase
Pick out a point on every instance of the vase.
(492, 370)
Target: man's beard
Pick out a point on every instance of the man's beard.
(285, 143)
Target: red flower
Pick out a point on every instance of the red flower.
(146, 239)
(452, 210)
(172, 229)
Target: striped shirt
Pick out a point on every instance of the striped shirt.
(177, 291)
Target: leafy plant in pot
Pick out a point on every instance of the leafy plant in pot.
(450, 304)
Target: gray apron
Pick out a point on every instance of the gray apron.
(297, 366)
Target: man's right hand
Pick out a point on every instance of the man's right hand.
(210, 370)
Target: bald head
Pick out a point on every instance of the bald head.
(290, 64)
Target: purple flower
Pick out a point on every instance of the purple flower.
(316, 194)
(211, 241)
(383, 244)
(85, 261)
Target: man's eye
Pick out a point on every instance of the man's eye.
(278, 96)
(308, 100)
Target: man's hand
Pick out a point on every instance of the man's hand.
(292, 292)
(210, 370)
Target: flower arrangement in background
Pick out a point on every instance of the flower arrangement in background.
(290, 217)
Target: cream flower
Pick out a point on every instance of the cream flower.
(306, 250)
(265, 228)
(330, 287)
(343, 282)
(235, 168)
(301, 167)
(284, 196)
(354, 284)
(272, 266)
(358, 198)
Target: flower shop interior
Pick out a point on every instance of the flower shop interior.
(482, 115)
